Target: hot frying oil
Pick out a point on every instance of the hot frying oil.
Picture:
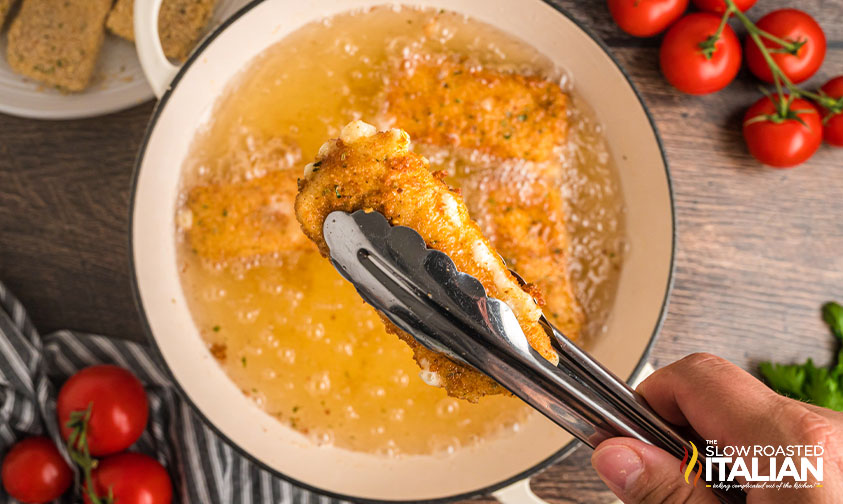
(288, 330)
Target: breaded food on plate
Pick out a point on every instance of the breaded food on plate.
(443, 102)
(520, 209)
(366, 169)
(57, 42)
(242, 220)
(5, 8)
(180, 23)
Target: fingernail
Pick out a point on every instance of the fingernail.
(618, 465)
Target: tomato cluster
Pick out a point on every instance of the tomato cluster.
(701, 54)
(102, 411)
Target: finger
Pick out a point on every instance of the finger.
(639, 473)
(720, 400)
(835, 417)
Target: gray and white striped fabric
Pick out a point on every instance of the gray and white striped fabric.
(204, 469)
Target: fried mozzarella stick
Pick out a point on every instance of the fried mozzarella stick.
(242, 220)
(518, 204)
(444, 102)
(523, 217)
(370, 170)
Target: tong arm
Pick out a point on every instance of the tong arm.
(421, 291)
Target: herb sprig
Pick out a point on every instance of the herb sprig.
(806, 382)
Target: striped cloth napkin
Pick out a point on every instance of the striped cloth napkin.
(204, 469)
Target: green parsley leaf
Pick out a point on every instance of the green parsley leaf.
(806, 382)
(787, 380)
(833, 316)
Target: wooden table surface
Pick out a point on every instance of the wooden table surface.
(759, 249)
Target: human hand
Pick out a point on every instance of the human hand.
(721, 402)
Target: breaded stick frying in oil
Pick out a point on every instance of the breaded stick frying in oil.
(514, 194)
(366, 169)
(443, 102)
(523, 216)
(243, 220)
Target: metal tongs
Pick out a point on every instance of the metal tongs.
(421, 291)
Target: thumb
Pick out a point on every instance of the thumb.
(639, 473)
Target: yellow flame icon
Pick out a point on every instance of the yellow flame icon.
(690, 467)
(691, 464)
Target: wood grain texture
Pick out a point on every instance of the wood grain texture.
(759, 250)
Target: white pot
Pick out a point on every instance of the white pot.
(634, 320)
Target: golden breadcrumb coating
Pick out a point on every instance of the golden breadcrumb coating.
(57, 42)
(444, 102)
(522, 213)
(517, 202)
(180, 24)
(370, 170)
(245, 219)
(5, 8)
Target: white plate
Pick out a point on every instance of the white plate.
(118, 82)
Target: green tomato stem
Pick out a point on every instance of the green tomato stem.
(709, 45)
(723, 22)
(779, 77)
(77, 447)
(788, 46)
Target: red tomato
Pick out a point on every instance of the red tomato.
(719, 6)
(683, 62)
(133, 478)
(795, 26)
(119, 412)
(833, 127)
(34, 471)
(782, 143)
(645, 18)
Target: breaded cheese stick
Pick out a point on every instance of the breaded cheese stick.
(180, 23)
(5, 8)
(366, 169)
(242, 220)
(57, 42)
(448, 103)
(523, 216)
(518, 203)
